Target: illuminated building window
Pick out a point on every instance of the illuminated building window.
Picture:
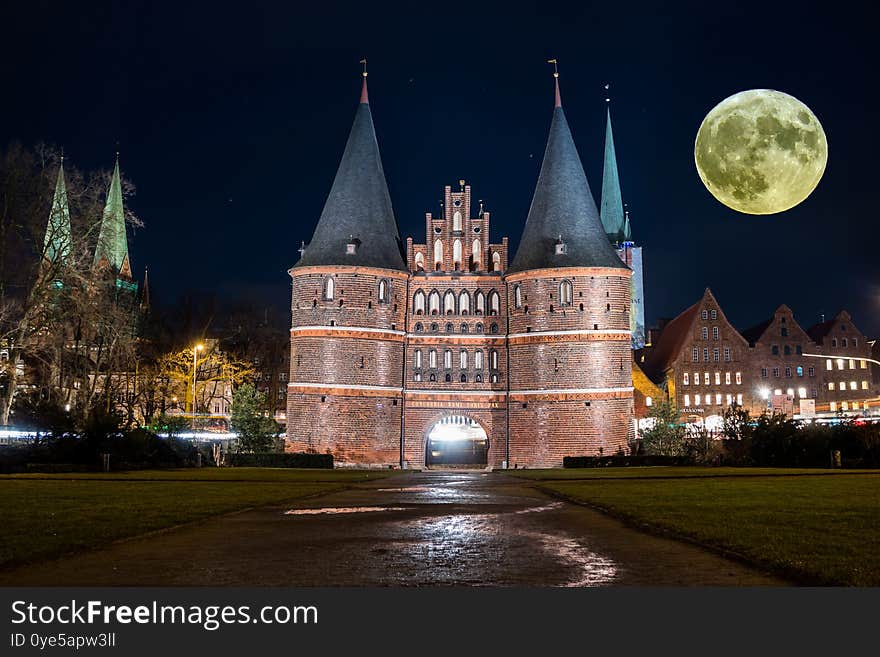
(477, 253)
(864, 385)
(565, 293)
(716, 355)
(456, 255)
(833, 406)
(704, 333)
(685, 379)
(776, 372)
(419, 303)
(853, 385)
(841, 385)
(831, 385)
(717, 378)
(687, 400)
(705, 378)
(438, 255)
(852, 364)
(855, 342)
(696, 355)
(705, 354)
(764, 372)
(864, 364)
(840, 363)
(777, 391)
(802, 392)
(649, 401)
(495, 376)
(729, 399)
(739, 378)
(715, 333)
(456, 220)
(739, 399)
(329, 288)
(714, 314)
(829, 365)
(704, 314)
(696, 400)
(790, 391)
(718, 398)
(844, 406)
(496, 266)
(726, 354)
(478, 378)
(799, 371)
(727, 378)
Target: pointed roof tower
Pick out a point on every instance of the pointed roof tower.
(56, 243)
(613, 219)
(145, 291)
(357, 225)
(112, 243)
(563, 228)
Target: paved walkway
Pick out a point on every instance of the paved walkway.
(419, 529)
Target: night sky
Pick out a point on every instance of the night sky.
(231, 119)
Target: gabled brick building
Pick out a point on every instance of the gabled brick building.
(399, 356)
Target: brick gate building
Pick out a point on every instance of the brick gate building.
(394, 347)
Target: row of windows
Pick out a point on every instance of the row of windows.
(716, 354)
(704, 333)
(801, 392)
(852, 385)
(457, 259)
(845, 406)
(463, 378)
(707, 378)
(383, 291)
(829, 363)
(463, 358)
(450, 328)
(455, 304)
(707, 399)
(566, 294)
(786, 350)
(798, 370)
(845, 342)
(706, 314)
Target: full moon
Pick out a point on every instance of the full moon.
(761, 151)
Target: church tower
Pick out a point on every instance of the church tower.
(56, 242)
(349, 292)
(570, 376)
(111, 251)
(615, 220)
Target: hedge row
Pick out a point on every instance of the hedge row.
(616, 461)
(280, 460)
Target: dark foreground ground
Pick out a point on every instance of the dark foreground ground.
(417, 529)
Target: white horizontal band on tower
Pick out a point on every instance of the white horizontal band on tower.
(573, 332)
(571, 391)
(364, 329)
(487, 393)
(342, 386)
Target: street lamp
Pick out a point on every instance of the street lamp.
(196, 351)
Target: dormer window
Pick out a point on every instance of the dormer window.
(352, 245)
(561, 246)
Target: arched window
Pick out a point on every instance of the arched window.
(462, 359)
(478, 328)
(493, 328)
(329, 288)
(456, 220)
(433, 377)
(449, 303)
(447, 359)
(464, 328)
(565, 293)
(432, 358)
(493, 359)
(478, 359)
(438, 254)
(434, 302)
(418, 357)
(383, 291)
(494, 303)
(517, 296)
(419, 327)
(419, 303)
(478, 378)
(496, 261)
(456, 254)
(463, 378)
(448, 378)
(450, 328)
(477, 253)
(464, 303)
(479, 303)
(420, 261)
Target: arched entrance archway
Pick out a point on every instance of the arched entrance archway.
(456, 440)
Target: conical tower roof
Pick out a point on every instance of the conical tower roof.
(358, 209)
(112, 242)
(563, 211)
(612, 214)
(56, 243)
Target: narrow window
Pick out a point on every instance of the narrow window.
(434, 302)
(685, 379)
(478, 359)
(704, 333)
(717, 378)
(494, 357)
(449, 303)
(329, 288)
(462, 359)
(420, 261)
(565, 293)
(447, 359)
(432, 359)
(418, 357)
(456, 254)
(739, 378)
(464, 303)
(496, 261)
(704, 314)
(714, 314)
(419, 303)
(727, 378)
(476, 253)
(517, 296)
(438, 254)
(714, 332)
(383, 291)
(479, 303)
(494, 303)
(456, 220)
(696, 355)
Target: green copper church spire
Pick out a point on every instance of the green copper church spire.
(112, 243)
(613, 219)
(56, 243)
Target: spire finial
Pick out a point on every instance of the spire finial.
(364, 97)
(607, 94)
(558, 100)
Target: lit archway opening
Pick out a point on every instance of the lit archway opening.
(456, 440)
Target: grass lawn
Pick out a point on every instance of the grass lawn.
(822, 529)
(47, 515)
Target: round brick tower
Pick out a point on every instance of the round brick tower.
(349, 296)
(569, 332)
